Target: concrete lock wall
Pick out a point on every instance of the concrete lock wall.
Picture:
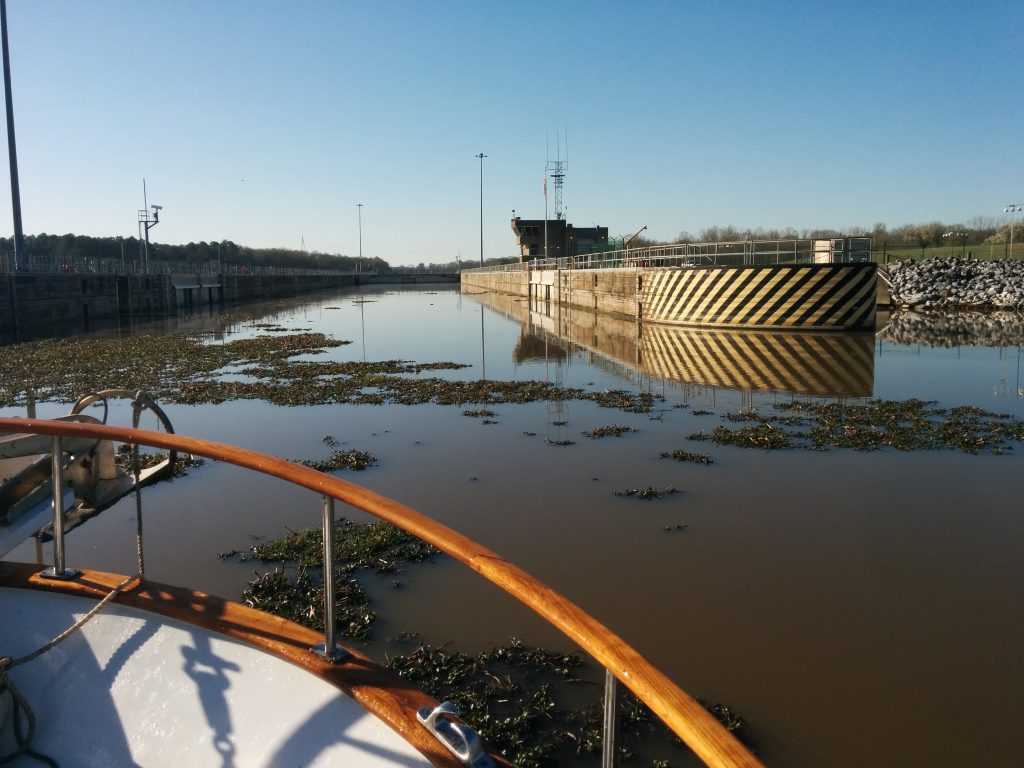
(512, 283)
(34, 305)
(610, 291)
(833, 296)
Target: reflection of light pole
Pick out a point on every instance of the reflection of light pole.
(1012, 209)
(359, 207)
(481, 156)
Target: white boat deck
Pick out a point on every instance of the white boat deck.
(134, 688)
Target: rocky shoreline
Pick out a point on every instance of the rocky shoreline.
(956, 283)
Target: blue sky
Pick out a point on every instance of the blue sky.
(266, 123)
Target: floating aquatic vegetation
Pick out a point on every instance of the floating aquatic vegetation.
(614, 430)
(725, 714)
(164, 365)
(378, 545)
(694, 458)
(490, 691)
(743, 416)
(301, 600)
(642, 402)
(906, 425)
(647, 494)
(549, 441)
(187, 369)
(271, 328)
(442, 366)
(534, 706)
(353, 459)
(701, 412)
(764, 435)
(478, 412)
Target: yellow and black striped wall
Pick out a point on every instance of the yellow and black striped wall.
(782, 297)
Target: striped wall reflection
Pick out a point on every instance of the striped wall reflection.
(801, 363)
(794, 296)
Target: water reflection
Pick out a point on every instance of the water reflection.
(979, 329)
(822, 364)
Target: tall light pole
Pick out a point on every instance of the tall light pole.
(12, 151)
(481, 156)
(359, 207)
(1012, 209)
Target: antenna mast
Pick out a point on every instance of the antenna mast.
(149, 217)
(555, 171)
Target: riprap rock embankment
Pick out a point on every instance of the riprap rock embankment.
(957, 283)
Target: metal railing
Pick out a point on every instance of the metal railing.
(693, 724)
(95, 266)
(737, 253)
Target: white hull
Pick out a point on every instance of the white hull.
(134, 688)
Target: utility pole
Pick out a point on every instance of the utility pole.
(12, 150)
(359, 207)
(1012, 209)
(148, 223)
(481, 156)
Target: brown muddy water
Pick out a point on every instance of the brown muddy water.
(856, 608)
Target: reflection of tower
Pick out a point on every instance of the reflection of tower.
(747, 401)
(1003, 388)
(556, 408)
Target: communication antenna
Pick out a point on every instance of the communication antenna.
(555, 170)
(149, 217)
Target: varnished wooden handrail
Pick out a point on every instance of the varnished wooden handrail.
(708, 739)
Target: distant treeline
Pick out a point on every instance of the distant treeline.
(76, 249)
(128, 251)
(975, 231)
